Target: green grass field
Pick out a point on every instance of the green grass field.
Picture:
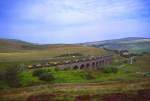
(126, 71)
(79, 76)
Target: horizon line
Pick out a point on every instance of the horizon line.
(17, 39)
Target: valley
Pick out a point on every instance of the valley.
(19, 83)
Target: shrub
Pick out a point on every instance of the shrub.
(2, 75)
(110, 70)
(38, 72)
(46, 76)
(89, 76)
(11, 77)
(43, 75)
(147, 74)
(56, 69)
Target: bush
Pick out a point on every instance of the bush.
(43, 75)
(38, 72)
(11, 77)
(110, 70)
(46, 77)
(2, 75)
(147, 74)
(56, 69)
(89, 76)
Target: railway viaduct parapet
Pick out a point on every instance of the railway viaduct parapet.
(92, 63)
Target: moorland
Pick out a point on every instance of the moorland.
(120, 80)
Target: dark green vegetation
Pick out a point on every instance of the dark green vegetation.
(132, 44)
(43, 75)
(18, 83)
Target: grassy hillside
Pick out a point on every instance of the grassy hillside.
(90, 84)
(132, 44)
(10, 45)
(49, 53)
(16, 50)
(142, 64)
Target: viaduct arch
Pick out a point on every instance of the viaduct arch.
(93, 63)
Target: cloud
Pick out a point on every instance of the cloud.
(78, 20)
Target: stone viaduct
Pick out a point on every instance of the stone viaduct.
(91, 63)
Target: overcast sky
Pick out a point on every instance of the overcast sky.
(73, 21)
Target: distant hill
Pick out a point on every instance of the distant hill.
(16, 51)
(132, 44)
(7, 45)
(13, 45)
